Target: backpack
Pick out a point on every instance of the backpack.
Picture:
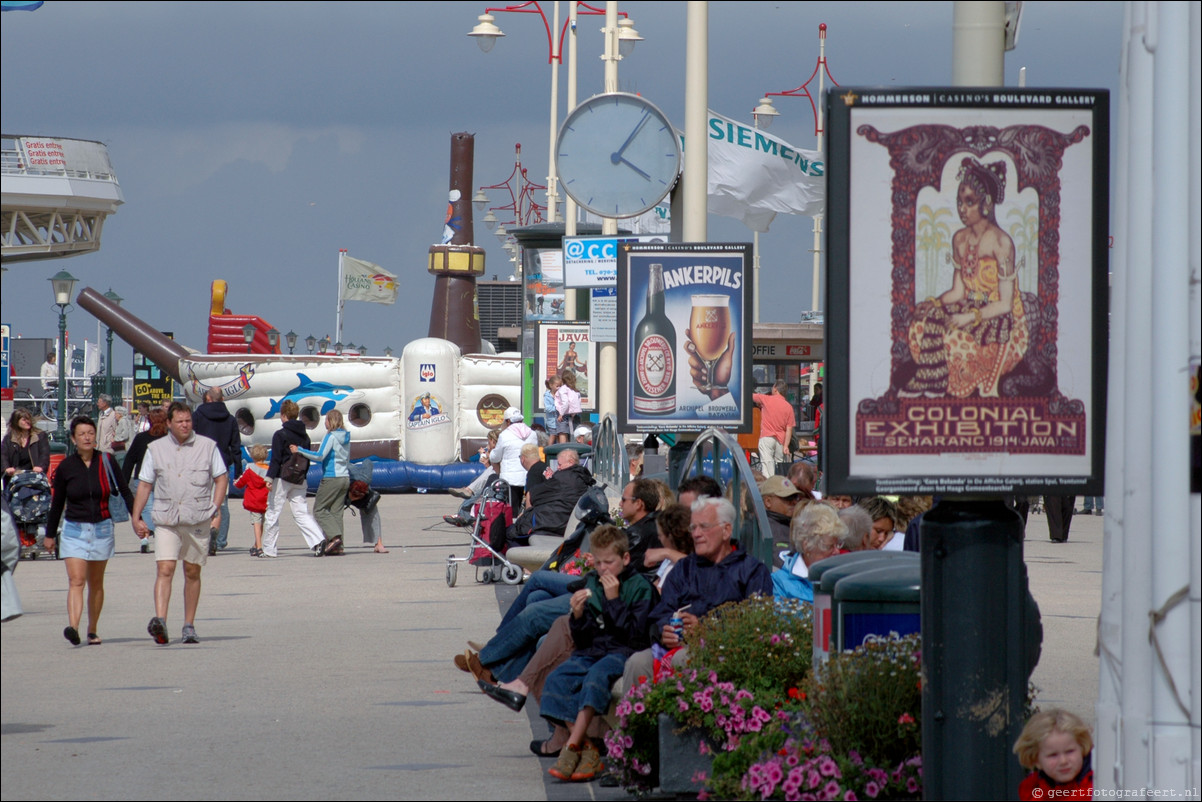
(295, 469)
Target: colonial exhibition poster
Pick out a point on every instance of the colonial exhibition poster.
(968, 290)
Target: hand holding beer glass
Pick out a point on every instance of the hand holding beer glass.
(710, 344)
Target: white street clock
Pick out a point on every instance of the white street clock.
(617, 155)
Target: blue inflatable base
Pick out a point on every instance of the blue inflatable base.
(399, 476)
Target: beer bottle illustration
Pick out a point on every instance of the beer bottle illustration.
(655, 353)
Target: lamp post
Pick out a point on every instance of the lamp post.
(248, 336)
(62, 283)
(765, 113)
(324, 344)
(338, 348)
(362, 350)
(486, 34)
(388, 352)
(116, 300)
(311, 343)
(290, 338)
(273, 338)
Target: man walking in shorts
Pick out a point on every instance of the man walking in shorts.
(189, 480)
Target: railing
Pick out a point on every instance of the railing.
(13, 161)
(717, 454)
(609, 455)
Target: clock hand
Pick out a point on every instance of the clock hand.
(632, 167)
(617, 156)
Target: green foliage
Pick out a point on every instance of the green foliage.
(870, 700)
(762, 644)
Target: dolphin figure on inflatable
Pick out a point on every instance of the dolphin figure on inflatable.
(310, 389)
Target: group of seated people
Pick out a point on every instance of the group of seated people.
(578, 643)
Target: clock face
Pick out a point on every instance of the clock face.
(617, 155)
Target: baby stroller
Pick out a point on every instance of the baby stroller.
(28, 496)
(491, 516)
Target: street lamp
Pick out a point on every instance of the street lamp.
(248, 336)
(273, 338)
(290, 337)
(338, 348)
(388, 352)
(63, 283)
(486, 33)
(363, 350)
(310, 343)
(765, 112)
(115, 300)
(324, 344)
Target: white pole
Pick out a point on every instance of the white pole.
(569, 205)
(979, 36)
(1195, 350)
(1134, 769)
(338, 316)
(1108, 710)
(607, 353)
(696, 109)
(1170, 538)
(552, 192)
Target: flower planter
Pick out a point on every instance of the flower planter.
(680, 759)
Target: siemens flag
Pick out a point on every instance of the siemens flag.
(754, 176)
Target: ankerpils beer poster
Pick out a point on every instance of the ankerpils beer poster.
(968, 292)
(684, 336)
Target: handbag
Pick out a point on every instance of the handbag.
(118, 512)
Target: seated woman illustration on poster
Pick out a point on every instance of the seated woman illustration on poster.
(965, 340)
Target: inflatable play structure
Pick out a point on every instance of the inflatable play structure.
(420, 416)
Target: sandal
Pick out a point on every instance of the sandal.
(94, 639)
(72, 635)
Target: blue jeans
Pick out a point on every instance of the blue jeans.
(541, 586)
(1093, 503)
(223, 530)
(512, 647)
(580, 682)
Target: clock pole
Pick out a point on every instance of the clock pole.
(457, 262)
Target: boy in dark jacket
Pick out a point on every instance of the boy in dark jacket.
(608, 623)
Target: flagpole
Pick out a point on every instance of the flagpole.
(338, 316)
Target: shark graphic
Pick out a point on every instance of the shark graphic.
(309, 389)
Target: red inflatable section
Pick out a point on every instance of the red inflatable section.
(226, 330)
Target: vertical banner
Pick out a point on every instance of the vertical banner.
(968, 291)
(684, 337)
(567, 346)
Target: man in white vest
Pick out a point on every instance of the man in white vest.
(189, 480)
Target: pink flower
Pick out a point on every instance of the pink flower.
(850, 795)
(627, 741)
(912, 785)
(813, 778)
(775, 639)
(828, 767)
(831, 790)
(640, 708)
(703, 748)
(871, 789)
(905, 718)
(683, 705)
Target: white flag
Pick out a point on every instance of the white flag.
(363, 281)
(753, 175)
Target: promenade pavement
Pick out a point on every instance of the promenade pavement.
(332, 678)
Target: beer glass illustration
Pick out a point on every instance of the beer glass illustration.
(709, 331)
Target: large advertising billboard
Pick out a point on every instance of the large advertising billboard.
(967, 321)
(684, 336)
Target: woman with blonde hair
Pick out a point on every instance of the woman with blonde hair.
(334, 454)
(815, 534)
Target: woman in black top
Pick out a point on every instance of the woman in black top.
(83, 487)
(24, 447)
(132, 466)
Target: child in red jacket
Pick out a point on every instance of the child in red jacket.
(1056, 746)
(254, 498)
